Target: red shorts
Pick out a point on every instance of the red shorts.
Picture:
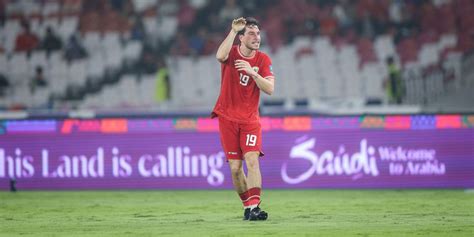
(238, 139)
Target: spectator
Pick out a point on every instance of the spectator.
(328, 26)
(394, 84)
(51, 41)
(138, 28)
(163, 87)
(148, 61)
(186, 15)
(74, 49)
(38, 79)
(26, 41)
(198, 41)
(396, 11)
(344, 14)
(366, 26)
(180, 45)
(4, 84)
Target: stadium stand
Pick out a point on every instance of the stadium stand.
(326, 54)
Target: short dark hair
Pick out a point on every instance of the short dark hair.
(250, 21)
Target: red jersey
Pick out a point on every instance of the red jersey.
(239, 96)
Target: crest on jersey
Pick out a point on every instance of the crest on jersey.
(255, 69)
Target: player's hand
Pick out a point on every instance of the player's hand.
(238, 24)
(243, 65)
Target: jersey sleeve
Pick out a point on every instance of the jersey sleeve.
(267, 70)
(231, 58)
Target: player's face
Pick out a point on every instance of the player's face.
(251, 38)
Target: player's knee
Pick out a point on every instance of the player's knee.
(251, 155)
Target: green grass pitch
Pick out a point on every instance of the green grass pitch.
(218, 213)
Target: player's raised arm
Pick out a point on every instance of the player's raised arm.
(224, 49)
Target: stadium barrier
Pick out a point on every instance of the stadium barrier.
(368, 151)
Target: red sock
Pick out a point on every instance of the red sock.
(254, 196)
(244, 197)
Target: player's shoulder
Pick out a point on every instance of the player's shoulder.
(232, 54)
(264, 56)
(234, 50)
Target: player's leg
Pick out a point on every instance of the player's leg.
(254, 183)
(229, 134)
(240, 184)
(238, 175)
(250, 142)
(254, 179)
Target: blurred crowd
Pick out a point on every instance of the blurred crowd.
(344, 21)
(201, 24)
(169, 28)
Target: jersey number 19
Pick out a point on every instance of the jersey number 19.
(244, 79)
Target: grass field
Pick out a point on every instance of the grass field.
(218, 213)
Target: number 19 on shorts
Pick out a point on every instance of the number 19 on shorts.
(251, 140)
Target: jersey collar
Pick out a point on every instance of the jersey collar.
(240, 53)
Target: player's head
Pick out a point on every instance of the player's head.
(250, 35)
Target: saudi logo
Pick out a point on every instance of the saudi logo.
(255, 69)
